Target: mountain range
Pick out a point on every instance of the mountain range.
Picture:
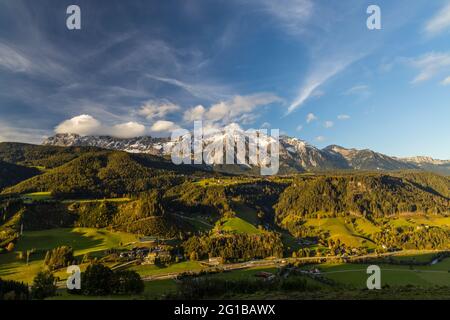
(295, 155)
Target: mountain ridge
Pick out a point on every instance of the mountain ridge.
(295, 154)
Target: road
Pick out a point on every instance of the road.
(261, 263)
(265, 263)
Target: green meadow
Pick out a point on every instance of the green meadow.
(391, 275)
(82, 240)
(340, 230)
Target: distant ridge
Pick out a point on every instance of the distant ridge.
(295, 155)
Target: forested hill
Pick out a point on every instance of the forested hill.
(87, 172)
(40, 156)
(11, 174)
(104, 174)
(372, 195)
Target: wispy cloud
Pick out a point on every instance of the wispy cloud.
(157, 109)
(360, 89)
(203, 91)
(237, 109)
(343, 117)
(440, 22)
(430, 65)
(328, 124)
(317, 77)
(21, 134)
(310, 117)
(290, 14)
(320, 138)
(266, 125)
(446, 81)
(13, 60)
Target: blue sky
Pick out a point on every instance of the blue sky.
(310, 68)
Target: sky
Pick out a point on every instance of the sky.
(309, 68)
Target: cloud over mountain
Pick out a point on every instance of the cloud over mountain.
(85, 125)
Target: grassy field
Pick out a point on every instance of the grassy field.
(46, 195)
(246, 213)
(338, 229)
(223, 181)
(422, 256)
(152, 290)
(98, 200)
(37, 196)
(392, 275)
(152, 270)
(245, 221)
(82, 240)
(366, 227)
(237, 225)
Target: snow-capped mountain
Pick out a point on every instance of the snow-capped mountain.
(429, 164)
(424, 160)
(148, 145)
(367, 159)
(295, 154)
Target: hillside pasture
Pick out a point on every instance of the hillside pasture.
(82, 240)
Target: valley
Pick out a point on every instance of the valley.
(307, 232)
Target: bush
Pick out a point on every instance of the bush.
(127, 282)
(13, 290)
(101, 280)
(44, 285)
(59, 257)
(97, 280)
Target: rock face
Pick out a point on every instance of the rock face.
(295, 154)
(134, 145)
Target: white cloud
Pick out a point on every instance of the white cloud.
(33, 63)
(328, 124)
(446, 81)
(440, 22)
(128, 130)
(360, 89)
(153, 109)
(195, 113)
(291, 14)
(310, 117)
(240, 105)
(163, 126)
(199, 90)
(430, 65)
(13, 60)
(317, 93)
(237, 109)
(343, 117)
(320, 138)
(86, 125)
(266, 125)
(83, 125)
(20, 134)
(317, 77)
(299, 128)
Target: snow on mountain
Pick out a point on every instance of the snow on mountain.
(295, 154)
(425, 160)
